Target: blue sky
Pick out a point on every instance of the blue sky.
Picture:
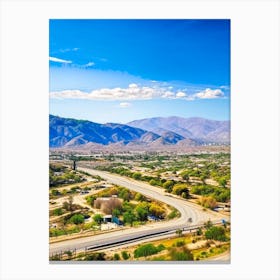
(122, 70)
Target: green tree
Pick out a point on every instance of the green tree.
(57, 212)
(153, 182)
(186, 177)
(208, 202)
(185, 195)
(125, 194)
(125, 255)
(116, 212)
(136, 176)
(172, 214)
(90, 199)
(77, 219)
(64, 192)
(147, 250)
(180, 254)
(98, 218)
(139, 197)
(142, 211)
(156, 210)
(181, 188)
(129, 217)
(168, 184)
(116, 257)
(222, 182)
(55, 192)
(216, 233)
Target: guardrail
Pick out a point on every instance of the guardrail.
(60, 255)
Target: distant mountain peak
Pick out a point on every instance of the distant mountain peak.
(194, 128)
(69, 132)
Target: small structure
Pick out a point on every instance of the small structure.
(107, 219)
(84, 192)
(117, 221)
(152, 218)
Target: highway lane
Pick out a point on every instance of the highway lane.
(187, 210)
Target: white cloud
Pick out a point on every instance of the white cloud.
(180, 94)
(133, 86)
(224, 87)
(209, 94)
(55, 59)
(125, 104)
(135, 92)
(68, 50)
(91, 63)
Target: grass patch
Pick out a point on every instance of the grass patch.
(210, 252)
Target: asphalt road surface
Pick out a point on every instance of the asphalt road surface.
(187, 209)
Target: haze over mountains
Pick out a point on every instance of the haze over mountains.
(66, 132)
(190, 128)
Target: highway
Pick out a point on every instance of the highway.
(187, 210)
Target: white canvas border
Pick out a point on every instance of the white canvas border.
(255, 137)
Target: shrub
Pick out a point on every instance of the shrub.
(219, 193)
(142, 211)
(129, 217)
(172, 214)
(69, 253)
(168, 184)
(156, 210)
(55, 192)
(57, 212)
(152, 182)
(95, 257)
(147, 250)
(180, 254)
(208, 202)
(216, 233)
(77, 219)
(125, 194)
(116, 257)
(179, 189)
(136, 175)
(180, 243)
(90, 199)
(139, 197)
(125, 255)
(199, 231)
(98, 218)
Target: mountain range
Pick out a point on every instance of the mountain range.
(66, 132)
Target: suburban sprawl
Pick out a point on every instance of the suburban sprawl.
(150, 206)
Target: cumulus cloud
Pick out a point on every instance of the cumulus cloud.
(135, 92)
(180, 94)
(91, 63)
(55, 59)
(209, 94)
(125, 104)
